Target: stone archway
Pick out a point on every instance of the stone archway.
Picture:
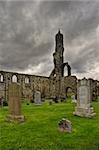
(69, 92)
(1, 78)
(65, 71)
(68, 69)
(14, 78)
(27, 80)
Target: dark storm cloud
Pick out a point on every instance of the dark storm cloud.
(27, 30)
(20, 45)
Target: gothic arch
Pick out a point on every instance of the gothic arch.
(69, 91)
(14, 78)
(1, 78)
(68, 69)
(27, 80)
(65, 71)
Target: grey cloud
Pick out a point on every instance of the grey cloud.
(86, 58)
(27, 30)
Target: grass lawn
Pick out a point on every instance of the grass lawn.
(40, 130)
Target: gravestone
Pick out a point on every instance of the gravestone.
(64, 125)
(14, 103)
(83, 107)
(73, 99)
(1, 101)
(37, 97)
(50, 102)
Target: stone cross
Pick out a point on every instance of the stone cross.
(14, 103)
(83, 107)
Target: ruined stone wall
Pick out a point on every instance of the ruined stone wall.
(94, 89)
(49, 87)
(2, 89)
(56, 85)
(28, 83)
(59, 87)
(52, 91)
(70, 82)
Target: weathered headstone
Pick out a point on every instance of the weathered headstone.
(37, 97)
(83, 107)
(1, 101)
(50, 102)
(73, 99)
(14, 103)
(64, 125)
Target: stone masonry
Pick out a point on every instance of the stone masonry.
(59, 83)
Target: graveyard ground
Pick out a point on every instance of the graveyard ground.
(40, 130)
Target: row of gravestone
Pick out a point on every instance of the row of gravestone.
(83, 107)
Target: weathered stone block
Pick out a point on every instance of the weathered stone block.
(83, 107)
(37, 97)
(65, 125)
(14, 103)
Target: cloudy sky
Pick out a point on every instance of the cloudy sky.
(27, 36)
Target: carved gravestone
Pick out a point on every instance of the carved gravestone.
(83, 107)
(37, 97)
(64, 125)
(14, 103)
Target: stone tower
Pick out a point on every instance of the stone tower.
(58, 55)
(57, 74)
(58, 58)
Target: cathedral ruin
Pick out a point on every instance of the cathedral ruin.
(54, 86)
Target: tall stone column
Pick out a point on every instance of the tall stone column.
(57, 73)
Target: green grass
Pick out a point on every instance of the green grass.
(40, 130)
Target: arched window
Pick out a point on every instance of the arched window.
(14, 78)
(69, 92)
(54, 75)
(26, 80)
(1, 78)
(65, 71)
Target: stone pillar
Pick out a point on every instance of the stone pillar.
(83, 107)
(14, 103)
